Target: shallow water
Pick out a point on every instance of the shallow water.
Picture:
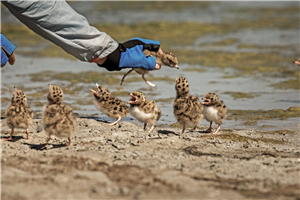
(282, 41)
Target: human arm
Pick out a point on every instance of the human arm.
(58, 22)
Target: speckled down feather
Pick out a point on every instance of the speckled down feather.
(108, 104)
(215, 110)
(58, 119)
(19, 114)
(187, 109)
(142, 105)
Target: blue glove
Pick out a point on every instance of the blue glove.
(134, 57)
(130, 55)
(7, 48)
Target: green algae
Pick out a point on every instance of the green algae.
(229, 76)
(241, 95)
(289, 84)
(170, 99)
(239, 138)
(225, 42)
(246, 63)
(176, 125)
(185, 33)
(5, 99)
(3, 113)
(20, 35)
(72, 90)
(37, 95)
(194, 69)
(120, 93)
(38, 104)
(85, 102)
(250, 117)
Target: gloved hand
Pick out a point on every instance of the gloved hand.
(7, 51)
(130, 55)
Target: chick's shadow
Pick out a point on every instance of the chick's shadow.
(14, 138)
(39, 147)
(167, 132)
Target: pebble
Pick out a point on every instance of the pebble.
(119, 145)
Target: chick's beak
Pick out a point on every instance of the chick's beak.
(206, 101)
(132, 100)
(93, 91)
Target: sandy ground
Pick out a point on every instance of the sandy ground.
(125, 162)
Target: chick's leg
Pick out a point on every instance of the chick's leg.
(209, 129)
(145, 124)
(46, 142)
(183, 129)
(114, 123)
(69, 144)
(123, 78)
(194, 128)
(27, 133)
(10, 137)
(149, 83)
(219, 126)
(151, 129)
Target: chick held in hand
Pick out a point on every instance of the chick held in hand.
(168, 59)
(58, 119)
(144, 110)
(18, 114)
(109, 105)
(187, 108)
(214, 111)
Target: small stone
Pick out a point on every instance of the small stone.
(119, 145)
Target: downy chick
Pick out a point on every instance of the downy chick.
(187, 108)
(168, 59)
(214, 111)
(144, 110)
(18, 114)
(109, 105)
(58, 119)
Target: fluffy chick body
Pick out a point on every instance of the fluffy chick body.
(109, 105)
(18, 114)
(168, 59)
(187, 108)
(214, 111)
(144, 110)
(58, 119)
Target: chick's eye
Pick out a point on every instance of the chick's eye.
(138, 96)
(211, 98)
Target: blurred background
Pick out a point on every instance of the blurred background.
(243, 51)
